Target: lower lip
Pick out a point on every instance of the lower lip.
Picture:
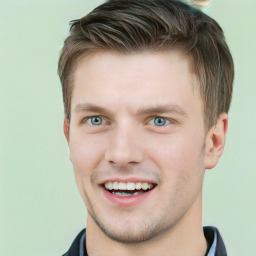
(126, 201)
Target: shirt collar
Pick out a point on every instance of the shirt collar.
(213, 246)
(82, 246)
(212, 235)
(214, 239)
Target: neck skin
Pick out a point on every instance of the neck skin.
(185, 238)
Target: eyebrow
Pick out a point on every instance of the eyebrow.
(160, 109)
(88, 107)
(147, 110)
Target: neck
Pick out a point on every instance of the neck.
(185, 238)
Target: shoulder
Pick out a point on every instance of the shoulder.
(75, 246)
(215, 241)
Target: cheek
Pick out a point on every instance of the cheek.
(85, 150)
(85, 154)
(176, 155)
(173, 149)
(181, 165)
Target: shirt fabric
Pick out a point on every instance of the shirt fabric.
(212, 235)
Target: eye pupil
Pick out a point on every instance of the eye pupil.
(159, 121)
(96, 120)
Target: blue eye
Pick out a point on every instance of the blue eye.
(160, 121)
(95, 120)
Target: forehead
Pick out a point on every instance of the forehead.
(119, 80)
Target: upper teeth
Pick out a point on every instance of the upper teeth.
(127, 185)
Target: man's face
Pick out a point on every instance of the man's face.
(137, 122)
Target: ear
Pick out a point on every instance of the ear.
(215, 141)
(66, 128)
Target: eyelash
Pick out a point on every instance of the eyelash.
(151, 119)
(85, 120)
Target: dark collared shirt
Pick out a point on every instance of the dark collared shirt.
(212, 235)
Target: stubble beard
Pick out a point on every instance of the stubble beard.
(147, 229)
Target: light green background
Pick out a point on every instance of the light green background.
(40, 208)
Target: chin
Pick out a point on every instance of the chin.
(128, 236)
(131, 232)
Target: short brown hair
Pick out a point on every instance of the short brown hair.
(132, 26)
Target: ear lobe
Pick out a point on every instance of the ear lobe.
(66, 128)
(215, 141)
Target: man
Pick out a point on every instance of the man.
(147, 87)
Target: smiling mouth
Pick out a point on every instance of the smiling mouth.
(128, 188)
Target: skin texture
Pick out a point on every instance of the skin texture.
(127, 93)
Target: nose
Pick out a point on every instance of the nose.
(125, 146)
